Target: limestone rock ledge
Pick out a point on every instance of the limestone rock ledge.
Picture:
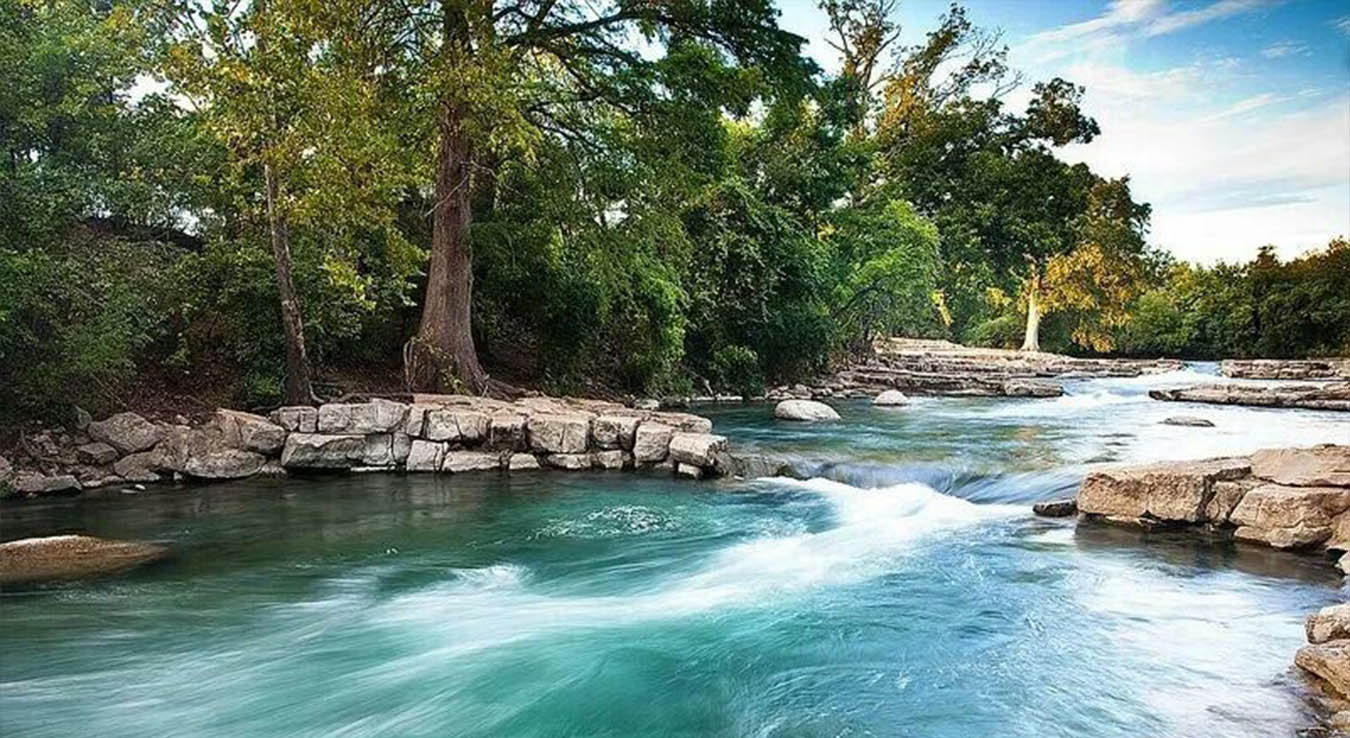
(1332, 396)
(1285, 498)
(450, 434)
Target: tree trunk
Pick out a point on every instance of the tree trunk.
(442, 354)
(298, 390)
(1032, 340)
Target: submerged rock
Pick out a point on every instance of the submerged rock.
(1031, 388)
(1188, 420)
(1056, 508)
(804, 410)
(52, 558)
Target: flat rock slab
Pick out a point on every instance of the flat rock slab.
(1173, 492)
(1320, 466)
(127, 432)
(54, 558)
(1329, 662)
(1289, 517)
(1306, 396)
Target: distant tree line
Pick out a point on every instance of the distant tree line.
(262, 202)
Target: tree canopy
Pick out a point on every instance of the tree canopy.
(613, 198)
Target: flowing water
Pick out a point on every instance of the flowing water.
(904, 591)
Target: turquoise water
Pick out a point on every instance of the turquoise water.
(905, 592)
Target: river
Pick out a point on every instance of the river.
(904, 591)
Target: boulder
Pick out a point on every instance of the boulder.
(296, 418)
(71, 557)
(142, 467)
(615, 431)
(647, 403)
(1031, 388)
(651, 442)
(890, 398)
(32, 483)
(571, 462)
(804, 410)
(82, 418)
(1188, 420)
(376, 416)
(1320, 466)
(507, 432)
(425, 456)
(378, 450)
(1224, 498)
(559, 433)
(223, 463)
(417, 415)
(1056, 508)
(1170, 492)
(474, 428)
(1329, 662)
(97, 453)
(613, 459)
(688, 470)
(1329, 624)
(686, 422)
(1289, 517)
(522, 462)
(249, 432)
(401, 446)
(465, 461)
(323, 451)
(127, 432)
(211, 452)
(699, 449)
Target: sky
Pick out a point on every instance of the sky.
(1231, 117)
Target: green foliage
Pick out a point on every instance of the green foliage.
(1265, 308)
(703, 204)
(736, 368)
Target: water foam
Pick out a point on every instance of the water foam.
(875, 528)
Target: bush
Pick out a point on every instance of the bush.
(736, 368)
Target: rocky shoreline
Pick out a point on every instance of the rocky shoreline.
(1334, 396)
(1291, 499)
(435, 433)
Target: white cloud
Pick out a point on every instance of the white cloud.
(1281, 49)
(1342, 24)
(1247, 105)
(1125, 19)
(1173, 22)
(1222, 185)
(1118, 13)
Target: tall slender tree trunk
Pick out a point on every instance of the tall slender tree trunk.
(1031, 341)
(299, 389)
(443, 350)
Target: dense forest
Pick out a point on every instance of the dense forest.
(269, 201)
